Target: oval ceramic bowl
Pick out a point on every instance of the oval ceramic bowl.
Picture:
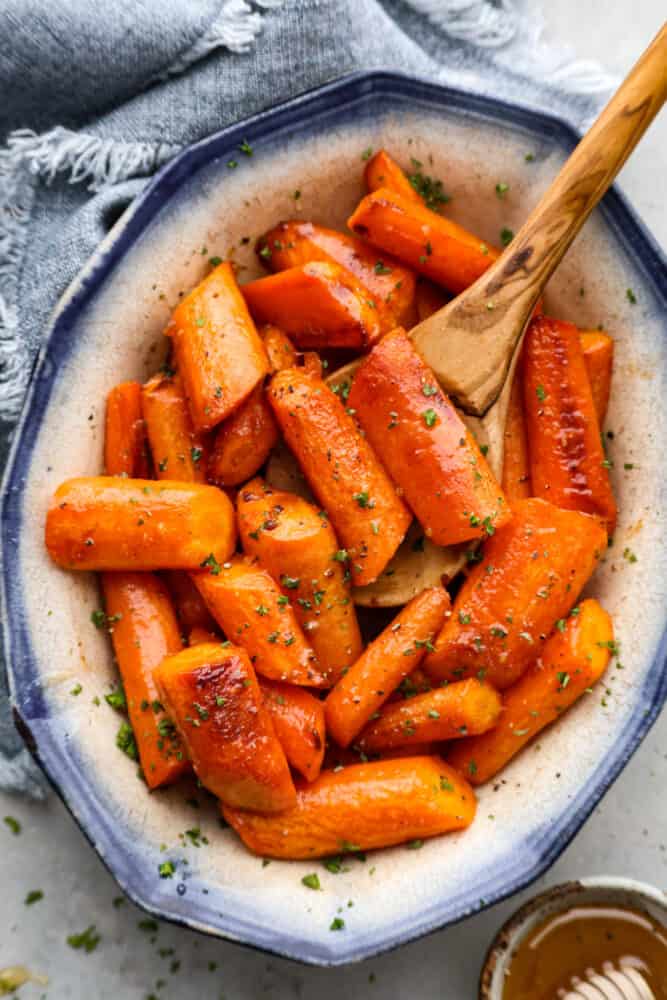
(108, 327)
(602, 890)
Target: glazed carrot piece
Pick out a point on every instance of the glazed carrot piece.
(567, 462)
(144, 630)
(427, 242)
(390, 285)
(529, 577)
(343, 472)
(211, 693)
(405, 414)
(249, 608)
(296, 544)
(429, 299)
(572, 660)
(362, 807)
(190, 606)
(384, 663)
(109, 523)
(298, 721)
(198, 635)
(219, 354)
(516, 463)
(244, 441)
(446, 713)
(598, 348)
(178, 452)
(318, 305)
(125, 450)
(383, 172)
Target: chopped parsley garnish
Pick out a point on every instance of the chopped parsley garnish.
(87, 940)
(506, 236)
(337, 924)
(381, 268)
(116, 699)
(414, 845)
(631, 297)
(215, 261)
(429, 390)
(367, 153)
(291, 582)
(33, 896)
(126, 742)
(340, 556)
(446, 785)
(212, 563)
(362, 499)
(430, 417)
(166, 869)
(246, 148)
(13, 825)
(540, 392)
(196, 454)
(501, 189)
(311, 881)
(428, 188)
(563, 679)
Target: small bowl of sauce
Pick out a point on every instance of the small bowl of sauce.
(595, 939)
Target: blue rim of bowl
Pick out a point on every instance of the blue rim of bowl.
(28, 703)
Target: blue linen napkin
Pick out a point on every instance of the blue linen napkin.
(99, 96)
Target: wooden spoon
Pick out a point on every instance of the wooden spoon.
(472, 344)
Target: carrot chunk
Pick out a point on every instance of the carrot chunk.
(178, 452)
(529, 577)
(383, 172)
(249, 608)
(427, 242)
(567, 462)
(109, 523)
(297, 545)
(342, 470)
(362, 807)
(598, 348)
(298, 721)
(384, 663)
(144, 630)
(212, 694)
(318, 305)
(446, 713)
(125, 448)
(424, 444)
(572, 660)
(219, 354)
(386, 282)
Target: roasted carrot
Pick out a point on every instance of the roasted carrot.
(249, 608)
(390, 285)
(427, 242)
(572, 660)
(178, 452)
(298, 721)
(125, 449)
(368, 517)
(567, 462)
(446, 713)
(429, 298)
(198, 635)
(516, 463)
(318, 305)
(384, 663)
(144, 630)
(211, 693)
(529, 577)
(190, 606)
(598, 348)
(104, 522)
(383, 172)
(425, 445)
(361, 807)
(219, 354)
(296, 544)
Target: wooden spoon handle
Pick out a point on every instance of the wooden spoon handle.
(492, 313)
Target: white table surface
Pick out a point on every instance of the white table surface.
(627, 834)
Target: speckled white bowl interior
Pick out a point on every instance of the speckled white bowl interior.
(397, 893)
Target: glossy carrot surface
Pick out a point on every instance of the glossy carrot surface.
(343, 471)
(424, 444)
(598, 348)
(190, 606)
(125, 449)
(369, 682)
(108, 523)
(568, 465)
(219, 354)
(211, 693)
(530, 575)
(298, 721)
(178, 452)
(571, 662)
(361, 807)
(382, 171)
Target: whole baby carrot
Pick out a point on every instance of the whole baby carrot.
(382, 171)
(211, 692)
(571, 661)
(178, 452)
(529, 577)
(343, 471)
(361, 807)
(405, 414)
(298, 721)
(109, 523)
(125, 449)
(296, 544)
(369, 682)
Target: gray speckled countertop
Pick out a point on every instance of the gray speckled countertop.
(627, 834)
